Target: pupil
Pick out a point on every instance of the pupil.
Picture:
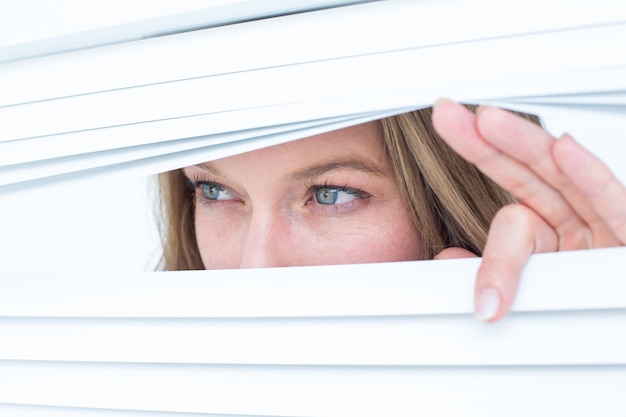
(326, 195)
(211, 191)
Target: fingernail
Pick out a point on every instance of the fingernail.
(487, 304)
(441, 101)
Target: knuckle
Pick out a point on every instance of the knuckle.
(515, 215)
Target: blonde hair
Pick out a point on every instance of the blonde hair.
(450, 201)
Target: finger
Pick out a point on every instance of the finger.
(516, 232)
(455, 253)
(564, 208)
(596, 182)
(458, 127)
(530, 145)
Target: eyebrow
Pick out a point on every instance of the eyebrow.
(319, 169)
(210, 168)
(315, 170)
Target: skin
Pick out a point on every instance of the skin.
(568, 199)
(275, 219)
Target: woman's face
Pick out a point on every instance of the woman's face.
(328, 199)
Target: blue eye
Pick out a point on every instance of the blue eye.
(215, 192)
(326, 195)
(329, 195)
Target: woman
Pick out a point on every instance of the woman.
(392, 190)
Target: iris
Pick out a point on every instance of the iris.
(213, 192)
(326, 195)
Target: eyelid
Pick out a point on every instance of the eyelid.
(345, 187)
(196, 181)
(357, 192)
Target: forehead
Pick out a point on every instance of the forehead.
(362, 143)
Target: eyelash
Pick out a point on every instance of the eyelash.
(194, 183)
(360, 194)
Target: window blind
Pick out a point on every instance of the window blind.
(204, 94)
(367, 340)
(355, 339)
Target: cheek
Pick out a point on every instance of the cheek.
(383, 240)
(371, 236)
(218, 242)
(376, 236)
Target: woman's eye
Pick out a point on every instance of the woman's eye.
(335, 195)
(215, 192)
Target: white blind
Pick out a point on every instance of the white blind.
(384, 339)
(117, 110)
(123, 90)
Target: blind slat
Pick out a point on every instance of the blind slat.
(319, 391)
(389, 289)
(452, 340)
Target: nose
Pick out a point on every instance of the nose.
(268, 241)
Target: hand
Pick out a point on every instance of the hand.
(568, 199)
